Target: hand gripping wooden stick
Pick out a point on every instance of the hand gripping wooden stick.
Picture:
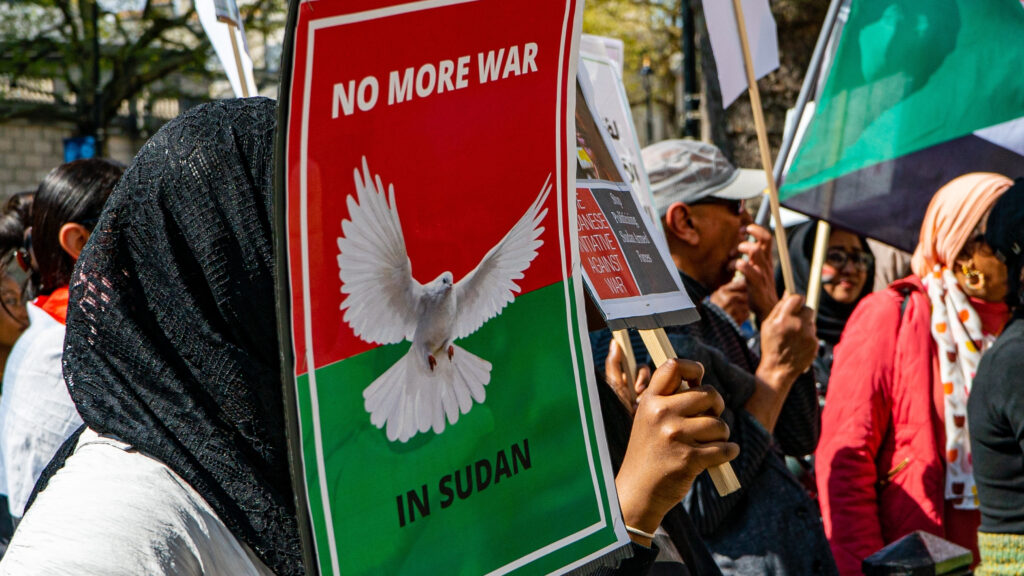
(661, 350)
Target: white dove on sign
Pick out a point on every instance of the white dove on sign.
(436, 380)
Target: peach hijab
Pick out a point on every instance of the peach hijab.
(952, 216)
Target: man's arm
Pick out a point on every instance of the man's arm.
(706, 508)
(753, 402)
(788, 347)
(799, 424)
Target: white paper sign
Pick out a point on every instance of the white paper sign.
(613, 48)
(725, 43)
(626, 269)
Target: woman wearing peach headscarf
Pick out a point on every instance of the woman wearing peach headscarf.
(894, 454)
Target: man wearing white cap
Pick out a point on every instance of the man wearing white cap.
(701, 187)
(769, 526)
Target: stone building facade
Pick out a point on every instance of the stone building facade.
(29, 150)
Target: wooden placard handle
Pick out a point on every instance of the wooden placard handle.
(814, 283)
(622, 339)
(661, 350)
(242, 80)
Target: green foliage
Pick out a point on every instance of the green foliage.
(647, 28)
(79, 60)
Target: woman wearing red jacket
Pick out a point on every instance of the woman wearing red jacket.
(894, 456)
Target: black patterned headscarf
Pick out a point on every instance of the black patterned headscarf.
(171, 337)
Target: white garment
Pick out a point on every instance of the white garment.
(114, 511)
(36, 411)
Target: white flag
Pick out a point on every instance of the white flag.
(725, 43)
(232, 53)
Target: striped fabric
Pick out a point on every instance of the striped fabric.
(1001, 554)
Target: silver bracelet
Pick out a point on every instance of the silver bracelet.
(639, 532)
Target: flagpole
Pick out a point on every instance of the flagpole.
(766, 159)
(810, 80)
(817, 261)
(822, 234)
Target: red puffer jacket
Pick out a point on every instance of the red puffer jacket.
(879, 464)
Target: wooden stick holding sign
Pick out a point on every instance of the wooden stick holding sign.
(621, 338)
(238, 59)
(227, 13)
(661, 351)
(762, 143)
(815, 279)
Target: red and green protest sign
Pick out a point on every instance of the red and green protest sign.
(447, 415)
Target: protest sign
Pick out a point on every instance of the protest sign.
(726, 43)
(446, 405)
(610, 48)
(629, 275)
(612, 108)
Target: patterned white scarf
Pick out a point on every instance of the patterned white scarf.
(956, 328)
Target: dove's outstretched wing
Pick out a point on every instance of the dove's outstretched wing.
(485, 291)
(382, 303)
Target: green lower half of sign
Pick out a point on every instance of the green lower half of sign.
(498, 488)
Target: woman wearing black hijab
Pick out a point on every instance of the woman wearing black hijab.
(847, 277)
(171, 357)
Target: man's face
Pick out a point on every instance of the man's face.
(720, 224)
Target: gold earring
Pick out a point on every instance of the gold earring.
(974, 278)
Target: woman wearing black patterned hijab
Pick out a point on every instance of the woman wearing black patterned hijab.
(172, 359)
(847, 277)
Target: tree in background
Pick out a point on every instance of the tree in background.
(652, 28)
(648, 29)
(81, 61)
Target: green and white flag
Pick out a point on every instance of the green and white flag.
(919, 92)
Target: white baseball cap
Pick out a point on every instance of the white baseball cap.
(689, 170)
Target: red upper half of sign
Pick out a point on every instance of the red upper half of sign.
(457, 107)
(601, 254)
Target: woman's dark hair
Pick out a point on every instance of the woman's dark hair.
(14, 217)
(72, 192)
(1005, 235)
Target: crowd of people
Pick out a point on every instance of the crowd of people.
(142, 420)
(856, 424)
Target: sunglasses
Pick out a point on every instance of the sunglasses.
(838, 258)
(736, 207)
